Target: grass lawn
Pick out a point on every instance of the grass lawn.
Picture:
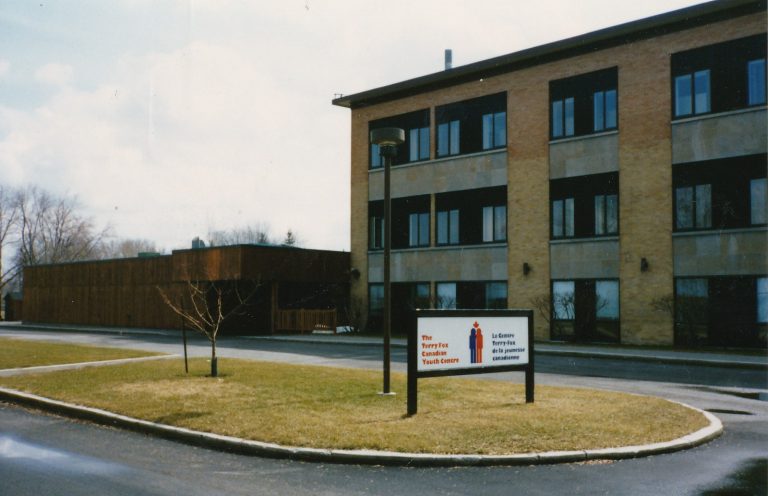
(16, 353)
(327, 407)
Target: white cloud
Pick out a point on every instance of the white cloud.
(234, 125)
(201, 137)
(54, 74)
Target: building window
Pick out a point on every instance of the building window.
(721, 311)
(758, 191)
(606, 214)
(375, 156)
(494, 130)
(376, 298)
(563, 300)
(585, 206)
(375, 225)
(496, 295)
(448, 138)
(416, 146)
(584, 104)
(693, 207)
(727, 193)
(494, 224)
(718, 78)
(446, 296)
(471, 294)
(562, 118)
(692, 93)
(472, 126)
(376, 234)
(562, 218)
(756, 82)
(448, 227)
(419, 144)
(471, 216)
(762, 300)
(418, 229)
(421, 295)
(607, 300)
(410, 221)
(585, 310)
(691, 310)
(604, 107)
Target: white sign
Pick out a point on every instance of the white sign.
(446, 343)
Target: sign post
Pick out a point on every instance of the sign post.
(461, 342)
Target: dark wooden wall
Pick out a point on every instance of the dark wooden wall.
(125, 293)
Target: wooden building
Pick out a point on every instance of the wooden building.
(289, 289)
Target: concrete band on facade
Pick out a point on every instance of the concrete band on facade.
(366, 457)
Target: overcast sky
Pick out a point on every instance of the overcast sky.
(168, 119)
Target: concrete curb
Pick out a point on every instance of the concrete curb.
(364, 457)
(89, 329)
(80, 365)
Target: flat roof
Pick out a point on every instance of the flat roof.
(620, 34)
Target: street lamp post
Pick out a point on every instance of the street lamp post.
(387, 139)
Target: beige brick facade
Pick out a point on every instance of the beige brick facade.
(644, 165)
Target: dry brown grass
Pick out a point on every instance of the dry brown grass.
(338, 408)
(17, 353)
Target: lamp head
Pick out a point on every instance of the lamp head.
(388, 136)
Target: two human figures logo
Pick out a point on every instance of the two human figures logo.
(476, 344)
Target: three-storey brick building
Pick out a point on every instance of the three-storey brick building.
(616, 181)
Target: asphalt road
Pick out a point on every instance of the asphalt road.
(43, 454)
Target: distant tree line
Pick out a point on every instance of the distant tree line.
(254, 234)
(38, 227)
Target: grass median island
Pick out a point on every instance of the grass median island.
(326, 407)
(18, 353)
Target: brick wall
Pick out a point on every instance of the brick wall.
(644, 163)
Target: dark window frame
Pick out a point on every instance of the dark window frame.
(471, 294)
(582, 191)
(728, 315)
(470, 204)
(376, 216)
(729, 178)
(582, 90)
(585, 325)
(469, 116)
(728, 77)
(452, 229)
(418, 119)
(763, 95)
(498, 227)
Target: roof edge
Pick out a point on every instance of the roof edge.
(619, 34)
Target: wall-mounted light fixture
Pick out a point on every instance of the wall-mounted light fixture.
(526, 268)
(354, 273)
(643, 264)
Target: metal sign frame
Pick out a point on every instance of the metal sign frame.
(414, 374)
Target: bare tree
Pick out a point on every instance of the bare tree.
(560, 311)
(51, 231)
(8, 216)
(257, 233)
(125, 248)
(205, 305)
(555, 313)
